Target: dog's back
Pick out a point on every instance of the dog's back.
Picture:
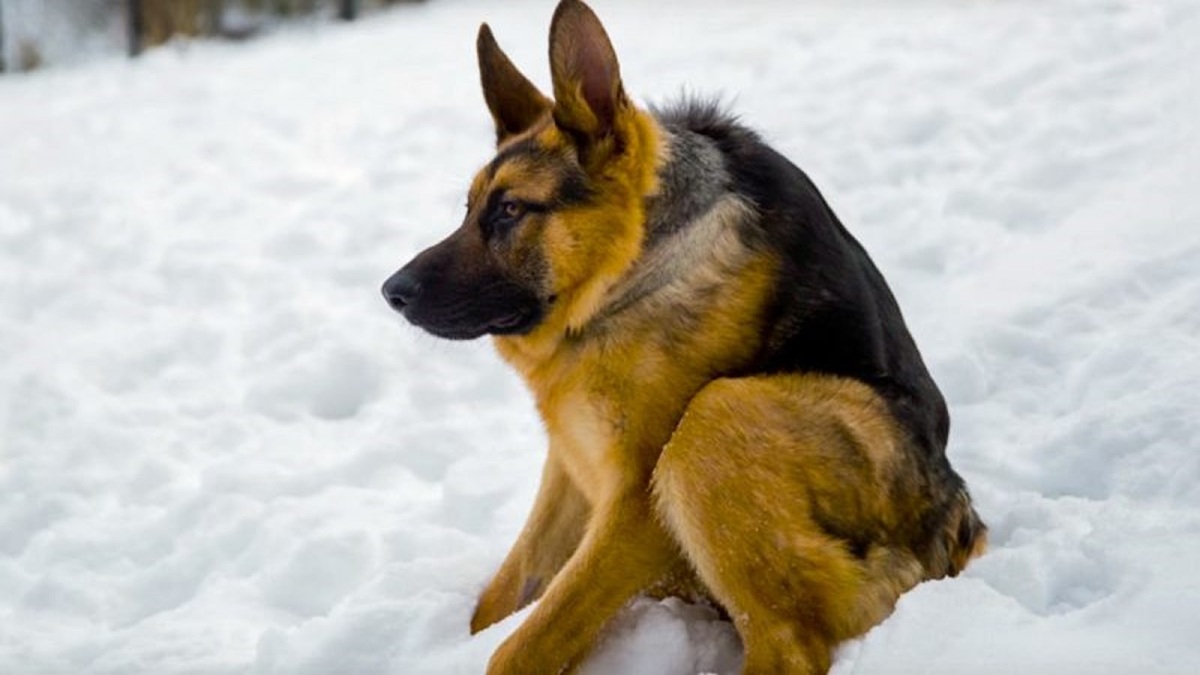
(831, 312)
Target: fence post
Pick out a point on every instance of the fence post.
(135, 27)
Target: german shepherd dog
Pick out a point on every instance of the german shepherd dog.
(736, 411)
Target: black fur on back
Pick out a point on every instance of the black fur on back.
(833, 312)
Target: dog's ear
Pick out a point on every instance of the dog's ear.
(514, 101)
(588, 96)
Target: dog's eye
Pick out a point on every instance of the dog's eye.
(511, 209)
(504, 215)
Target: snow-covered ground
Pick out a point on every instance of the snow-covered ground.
(221, 453)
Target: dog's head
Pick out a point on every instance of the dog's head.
(557, 215)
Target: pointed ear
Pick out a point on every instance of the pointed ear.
(587, 79)
(514, 101)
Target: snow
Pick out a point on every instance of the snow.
(221, 453)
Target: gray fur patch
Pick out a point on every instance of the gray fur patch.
(690, 182)
(688, 264)
(695, 232)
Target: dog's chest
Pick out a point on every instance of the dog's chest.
(584, 436)
(607, 423)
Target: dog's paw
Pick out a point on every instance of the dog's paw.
(504, 595)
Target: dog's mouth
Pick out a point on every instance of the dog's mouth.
(508, 322)
(449, 332)
(514, 322)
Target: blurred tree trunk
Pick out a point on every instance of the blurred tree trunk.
(216, 16)
(348, 10)
(287, 8)
(135, 27)
(1, 37)
(156, 21)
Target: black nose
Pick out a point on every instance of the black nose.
(400, 290)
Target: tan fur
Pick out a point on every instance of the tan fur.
(794, 451)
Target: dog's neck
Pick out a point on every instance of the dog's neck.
(686, 218)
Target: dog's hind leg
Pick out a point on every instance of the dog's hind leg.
(782, 492)
(551, 533)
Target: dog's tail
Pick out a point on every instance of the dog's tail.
(966, 535)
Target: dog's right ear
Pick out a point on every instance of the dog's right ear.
(514, 101)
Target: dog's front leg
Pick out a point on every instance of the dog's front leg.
(552, 532)
(624, 551)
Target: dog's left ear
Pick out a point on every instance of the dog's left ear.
(514, 101)
(588, 96)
